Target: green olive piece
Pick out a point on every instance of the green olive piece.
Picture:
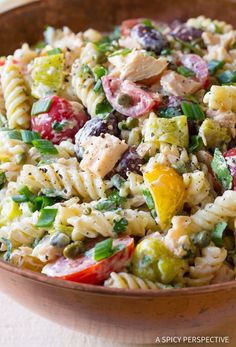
(201, 239)
(124, 100)
(73, 250)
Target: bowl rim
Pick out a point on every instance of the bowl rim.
(100, 290)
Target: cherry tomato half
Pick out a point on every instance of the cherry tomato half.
(128, 24)
(86, 270)
(61, 122)
(140, 101)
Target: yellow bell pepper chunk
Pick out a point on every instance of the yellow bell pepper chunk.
(168, 190)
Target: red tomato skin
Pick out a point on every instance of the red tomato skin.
(128, 24)
(198, 66)
(61, 110)
(142, 101)
(95, 272)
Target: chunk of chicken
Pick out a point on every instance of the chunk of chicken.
(178, 85)
(140, 66)
(102, 153)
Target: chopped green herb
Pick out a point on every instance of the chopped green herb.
(214, 65)
(103, 108)
(220, 169)
(148, 23)
(148, 198)
(54, 51)
(192, 111)
(99, 71)
(103, 249)
(46, 218)
(29, 136)
(217, 234)
(195, 143)
(45, 146)
(8, 252)
(184, 71)
(58, 127)
(113, 202)
(41, 106)
(2, 179)
(227, 77)
(14, 135)
(166, 51)
(120, 225)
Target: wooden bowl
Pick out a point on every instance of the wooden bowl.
(119, 315)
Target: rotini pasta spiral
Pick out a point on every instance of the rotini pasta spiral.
(23, 258)
(63, 178)
(223, 208)
(22, 232)
(125, 280)
(16, 99)
(83, 82)
(102, 223)
(206, 266)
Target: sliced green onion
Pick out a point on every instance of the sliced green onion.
(191, 47)
(41, 106)
(192, 110)
(14, 135)
(214, 65)
(184, 71)
(24, 195)
(195, 143)
(220, 169)
(166, 51)
(122, 52)
(120, 225)
(103, 108)
(227, 77)
(97, 86)
(217, 234)
(148, 198)
(46, 218)
(54, 51)
(29, 136)
(103, 249)
(45, 146)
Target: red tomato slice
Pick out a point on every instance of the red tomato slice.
(197, 65)
(86, 270)
(61, 122)
(231, 154)
(142, 101)
(128, 24)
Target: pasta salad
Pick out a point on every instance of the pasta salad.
(118, 155)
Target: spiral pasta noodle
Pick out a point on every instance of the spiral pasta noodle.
(206, 266)
(63, 178)
(84, 82)
(102, 223)
(125, 280)
(16, 99)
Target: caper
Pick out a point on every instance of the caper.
(201, 239)
(73, 250)
(88, 211)
(59, 240)
(131, 122)
(124, 100)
